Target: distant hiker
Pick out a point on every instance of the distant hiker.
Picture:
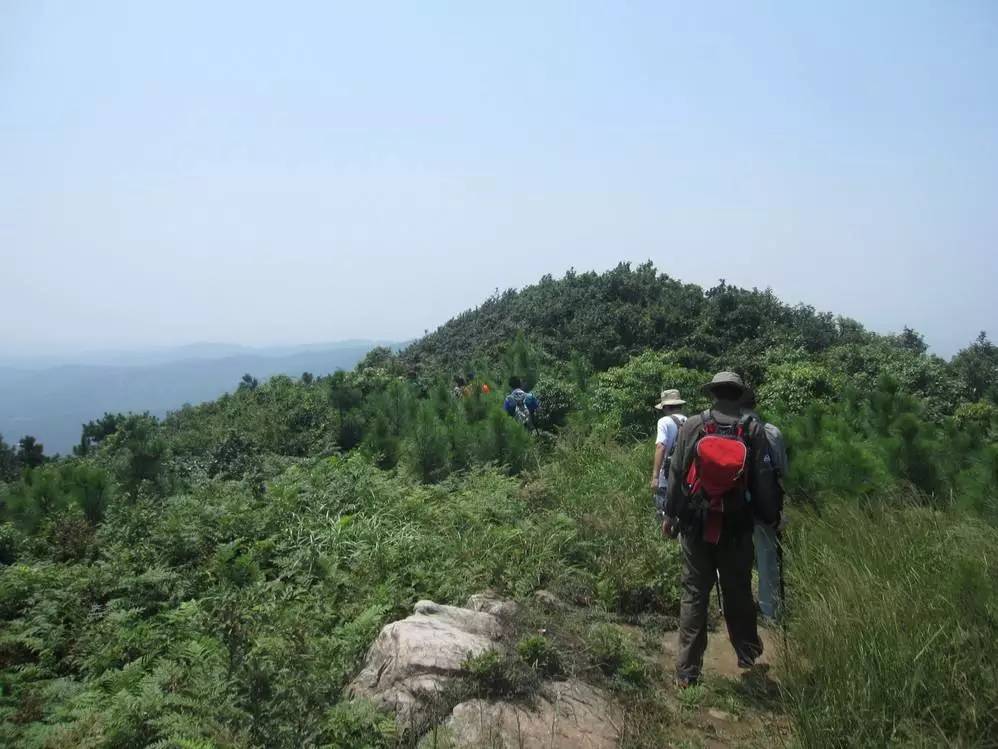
(670, 404)
(520, 404)
(765, 536)
(472, 385)
(460, 387)
(720, 456)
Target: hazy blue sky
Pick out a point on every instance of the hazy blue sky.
(288, 172)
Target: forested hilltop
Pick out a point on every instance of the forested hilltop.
(212, 579)
(606, 318)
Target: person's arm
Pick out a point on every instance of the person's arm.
(657, 465)
(508, 405)
(532, 403)
(661, 448)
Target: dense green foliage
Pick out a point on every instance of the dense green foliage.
(266, 603)
(604, 319)
(29, 453)
(213, 579)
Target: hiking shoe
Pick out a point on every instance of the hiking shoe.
(744, 662)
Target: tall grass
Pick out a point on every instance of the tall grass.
(894, 627)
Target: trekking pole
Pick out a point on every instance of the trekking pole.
(783, 590)
(720, 603)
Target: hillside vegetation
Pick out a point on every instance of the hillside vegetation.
(51, 400)
(213, 579)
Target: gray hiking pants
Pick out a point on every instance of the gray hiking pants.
(730, 560)
(767, 561)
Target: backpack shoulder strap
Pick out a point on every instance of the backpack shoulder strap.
(744, 425)
(709, 425)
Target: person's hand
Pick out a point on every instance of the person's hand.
(654, 483)
(669, 528)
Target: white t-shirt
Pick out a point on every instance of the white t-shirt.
(667, 434)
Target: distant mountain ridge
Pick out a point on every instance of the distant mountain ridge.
(140, 357)
(52, 402)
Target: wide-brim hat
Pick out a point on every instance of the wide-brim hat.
(669, 398)
(728, 379)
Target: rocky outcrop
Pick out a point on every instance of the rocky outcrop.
(490, 603)
(413, 662)
(566, 715)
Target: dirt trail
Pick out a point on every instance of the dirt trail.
(720, 660)
(733, 707)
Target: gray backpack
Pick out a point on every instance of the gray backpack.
(678, 421)
(520, 410)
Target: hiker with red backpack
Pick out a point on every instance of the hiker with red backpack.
(721, 457)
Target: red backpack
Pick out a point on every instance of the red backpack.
(718, 475)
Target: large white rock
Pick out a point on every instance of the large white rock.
(412, 660)
(566, 715)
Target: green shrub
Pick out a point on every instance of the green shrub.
(503, 441)
(236, 565)
(912, 454)
(540, 654)
(137, 452)
(632, 673)
(625, 396)
(69, 534)
(791, 388)
(557, 398)
(981, 418)
(613, 654)
(692, 698)
(429, 447)
(497, 675)
(977, 486)
(640, 584)
(232, 458)
(829, 455)
(10, 543)
(54, 488)
(357, 724)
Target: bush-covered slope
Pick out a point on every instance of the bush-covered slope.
(213, 579)
(608, 317)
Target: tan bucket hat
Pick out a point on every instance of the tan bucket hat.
(669, 398)
(725, 378)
